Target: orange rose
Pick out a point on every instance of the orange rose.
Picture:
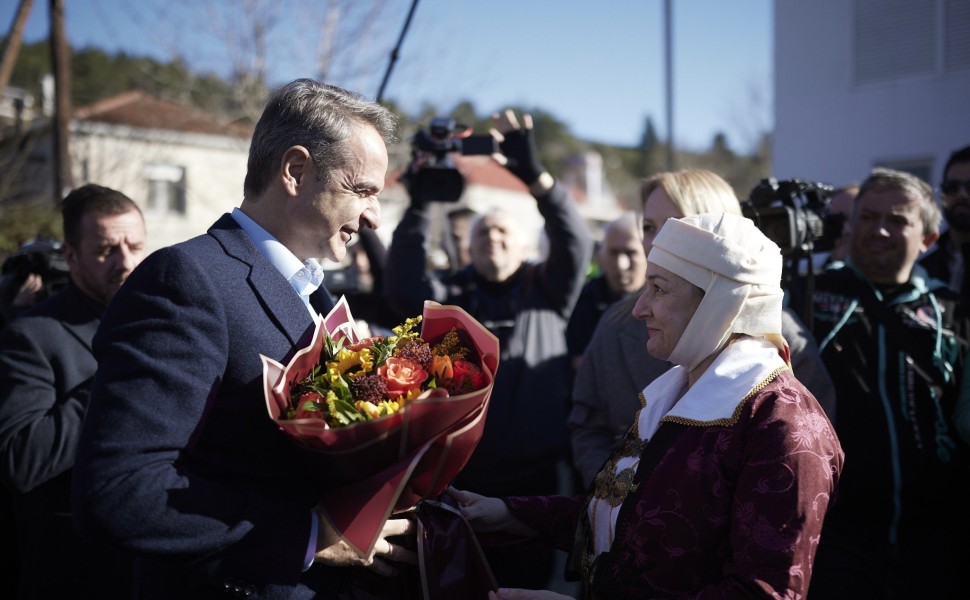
(402, 376)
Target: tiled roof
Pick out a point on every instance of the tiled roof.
(138, 109)
(484, 171)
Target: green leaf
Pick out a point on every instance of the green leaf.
(342, 411)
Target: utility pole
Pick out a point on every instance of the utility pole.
(669, 64)
(14, 40)
(60, 59)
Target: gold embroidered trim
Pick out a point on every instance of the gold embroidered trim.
(737, 410)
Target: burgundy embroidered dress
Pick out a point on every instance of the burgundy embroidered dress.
(729, 492)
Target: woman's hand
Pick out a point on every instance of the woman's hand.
(487, 515)
(517, 594)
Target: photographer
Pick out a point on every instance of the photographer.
(527, 306)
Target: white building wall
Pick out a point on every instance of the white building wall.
(830, 128)
(215, 168)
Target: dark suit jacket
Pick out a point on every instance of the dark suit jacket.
(46, 366)
(178, 458)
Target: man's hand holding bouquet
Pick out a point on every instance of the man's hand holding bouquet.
(400, 416)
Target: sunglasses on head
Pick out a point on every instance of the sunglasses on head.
(951, 187)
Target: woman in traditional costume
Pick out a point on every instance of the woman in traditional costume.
(722, 483)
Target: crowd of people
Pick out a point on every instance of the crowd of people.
(669, 424)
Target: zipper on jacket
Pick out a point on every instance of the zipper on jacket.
(893, 439)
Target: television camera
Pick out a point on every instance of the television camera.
(433, 175)
(796, 215)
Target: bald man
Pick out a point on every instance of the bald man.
(623, 267)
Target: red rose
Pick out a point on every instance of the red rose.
(310, 406)
(402, 376)
(467, 378)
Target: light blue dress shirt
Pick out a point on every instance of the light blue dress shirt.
(305, 277)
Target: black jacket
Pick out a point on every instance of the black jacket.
(526, 424)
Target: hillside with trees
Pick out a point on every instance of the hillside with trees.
(96, 74)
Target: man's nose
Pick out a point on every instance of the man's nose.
(624, 262)
(127, 259)
(372, 213)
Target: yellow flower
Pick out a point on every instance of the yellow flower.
(346, 360)
(384, 407)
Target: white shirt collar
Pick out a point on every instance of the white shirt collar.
(305, 277)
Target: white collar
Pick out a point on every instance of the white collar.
(731, 378)
(305, 277)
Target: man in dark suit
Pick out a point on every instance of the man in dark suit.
(46, 366)
(178, 459)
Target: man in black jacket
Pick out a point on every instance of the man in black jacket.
(46, 367)
(948, 259)
(527, 306)
(894, 345)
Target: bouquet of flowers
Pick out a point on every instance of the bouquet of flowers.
(400, 414)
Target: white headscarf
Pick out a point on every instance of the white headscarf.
(739, 270)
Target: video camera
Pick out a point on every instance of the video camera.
(794, 214)
(43, 257)
(433, 176)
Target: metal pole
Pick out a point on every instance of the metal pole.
(669, 64)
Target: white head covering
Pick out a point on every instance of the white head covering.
(739, 270)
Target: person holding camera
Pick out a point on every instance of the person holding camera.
(46, 368)
(527, 306)
(895, 347)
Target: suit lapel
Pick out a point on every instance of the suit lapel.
(281, 303)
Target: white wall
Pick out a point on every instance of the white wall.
(215, 168)
(829, 128)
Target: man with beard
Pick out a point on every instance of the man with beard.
(895, 347)
(947, 262)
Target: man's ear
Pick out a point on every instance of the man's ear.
(70, 255)
(294, 166)
(929, 240)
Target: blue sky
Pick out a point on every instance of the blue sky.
(599, 67)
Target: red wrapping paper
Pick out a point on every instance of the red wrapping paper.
(389, 464)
